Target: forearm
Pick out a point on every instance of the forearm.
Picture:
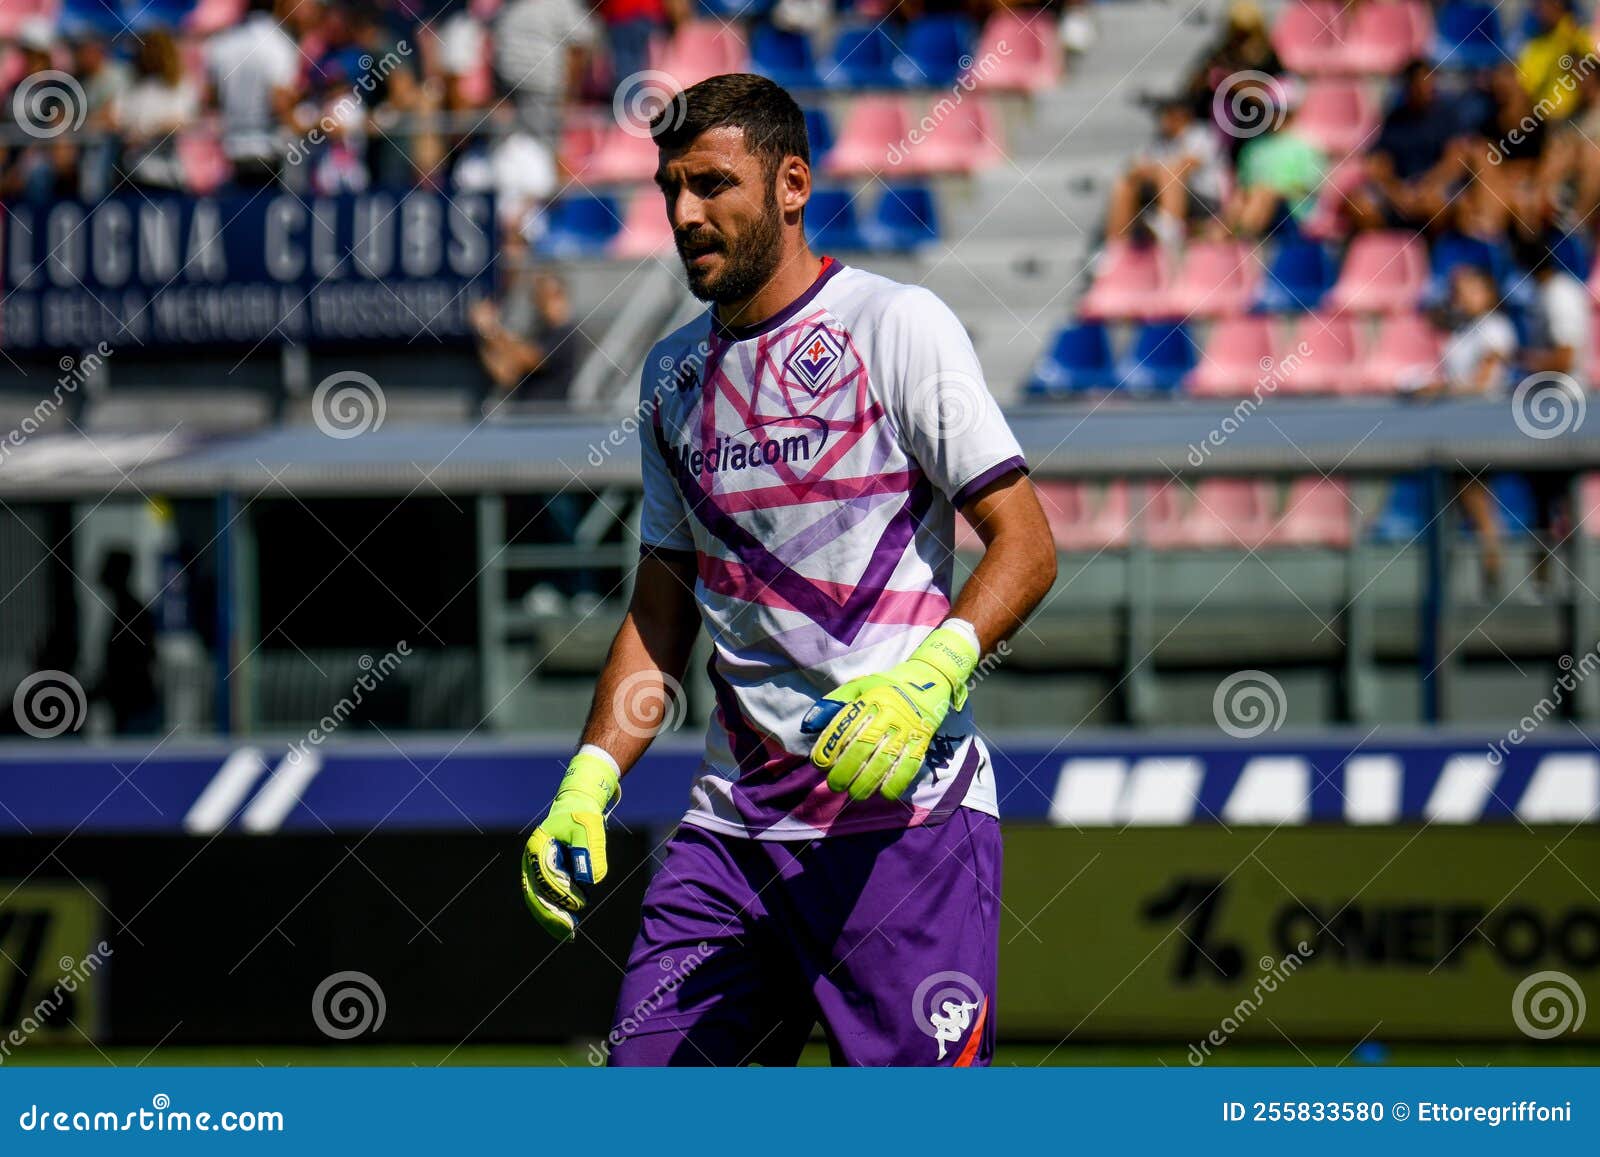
(1006, 586)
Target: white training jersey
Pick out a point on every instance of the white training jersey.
(812, 464)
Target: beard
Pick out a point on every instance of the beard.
(748, 262)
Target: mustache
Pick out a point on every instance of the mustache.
(699, 241)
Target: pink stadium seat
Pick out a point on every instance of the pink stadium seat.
(1383, 273)
(967, 540)
(1063, 507)
(875, 129)
(210, 16)
(1217, 278)
(1587, 515)
(1318, 512)
(1405, 354)
(1382, 36)
(205, 165)
(15, 13)
(1307, 36)
(1227, 512)
(1161, 514)
(1236, 355)
(1322, 358)
(1127, 283)
(623, 157)
(1030, 60)
(700, 49)
(1328, 220)
(645, 230)
(968, 138)
(1338, 115)
(1104, 520)
(581, 138)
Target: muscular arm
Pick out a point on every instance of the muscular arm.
(1019, 560)
(651, 647)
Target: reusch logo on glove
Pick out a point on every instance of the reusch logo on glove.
(840, 726)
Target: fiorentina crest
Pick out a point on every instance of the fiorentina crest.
(815, 358)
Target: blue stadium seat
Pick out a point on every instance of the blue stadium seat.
(1079, 359)
(580, 226)
(145, 15)
(93, 17)
(820, 133)
(1298, 277)
(1514, 503)
(1163, 354)
(783, 57)
(1468, 36)
(1454, 249)
(936, 50)
(903, 219)
(736, 9)
(831, 221)
(1402, 517)
(864, 56)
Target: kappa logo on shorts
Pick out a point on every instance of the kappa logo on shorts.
(943, 1006)
(817, 355)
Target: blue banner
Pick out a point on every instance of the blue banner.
(432, 1111)
(60, 786)
(241, 269)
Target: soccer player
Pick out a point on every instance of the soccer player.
(806, 446)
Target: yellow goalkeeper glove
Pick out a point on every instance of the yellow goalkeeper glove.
(567, 851)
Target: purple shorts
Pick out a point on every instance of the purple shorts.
(888, 938)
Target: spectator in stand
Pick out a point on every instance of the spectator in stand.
(528, 347)
(629, 26)
(44, 169)
(1177, 180)
(541, 53)
(1243, 46)
(102, 77)
(160, 104)
(254, 68)
(519, 168)
(1279, 176)
(1516, 177)
(1417, 163)
(1551, 64)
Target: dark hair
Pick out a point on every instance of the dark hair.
(773, 125)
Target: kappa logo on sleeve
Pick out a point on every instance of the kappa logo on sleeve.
(813, 361)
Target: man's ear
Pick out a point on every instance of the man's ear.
(794, 185)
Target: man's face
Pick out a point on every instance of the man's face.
(724, 213)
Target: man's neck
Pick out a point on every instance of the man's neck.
(795, 275)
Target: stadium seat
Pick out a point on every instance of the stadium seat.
(1096, 518)
(1586, 518)
(645, 230)
(205, 165)
(967, 138)
(1338, 115)
(1402, 518)
(1404, 356)
(736, 9)
(622, 158)
(1217, 278)
(210, 16)
(1063, 506)
(863, 57)
(1079, 359)
(581, 138)
(15, 13)
(1514, 504)
(1324, 357)
(145, 15)
(1317, 512)
(783, 57)
(1468, 36)
(1298, 277)
(903, 220)
(819, 133)
(1030, 59)
(1383, 272)
(1308, 38)
(91, 17)
(1328, 220)
(1382, 37)
(1237, 353)
(873, 139)
(1127, 281)
(1163, 355)
(700, 49)
(1233, 513)
(1454, 249)
(580, 226)
(831, 221)
(935, 51)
